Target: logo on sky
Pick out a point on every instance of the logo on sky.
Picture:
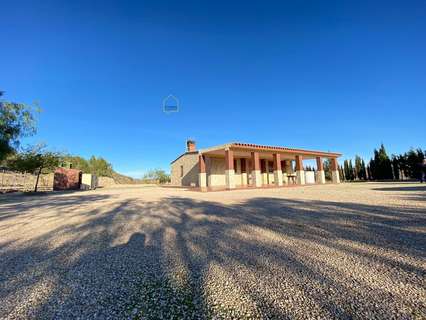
(170, 104)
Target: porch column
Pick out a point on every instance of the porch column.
(229, 169)
(278, 174)
(300, 173)
(264, 171)
(335, 177)
(320, 171)
(243, 171)
(202, 176)
(285, 171)
(255, 174)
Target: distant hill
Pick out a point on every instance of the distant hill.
(98, 166)
(122, 179)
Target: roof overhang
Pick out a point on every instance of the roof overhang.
(248, 147)
(188, 152)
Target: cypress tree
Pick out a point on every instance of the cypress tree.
(346, 169)
(358, 167)
(351, 171)
(363, 170)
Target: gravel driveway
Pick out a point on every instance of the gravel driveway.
(349, 251)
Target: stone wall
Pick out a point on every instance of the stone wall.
(15, 181)
(189, 163)
(106, 182)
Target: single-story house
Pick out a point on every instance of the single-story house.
(240, 165)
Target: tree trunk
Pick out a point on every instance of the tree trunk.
(38, 176)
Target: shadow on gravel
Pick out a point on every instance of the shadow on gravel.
(416, 193)
(19, 205)
(185, 259)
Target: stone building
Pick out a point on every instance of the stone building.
(242, 165)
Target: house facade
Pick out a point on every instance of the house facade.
(242, 165)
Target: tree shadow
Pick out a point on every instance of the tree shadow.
(188, 259)
(416, 193)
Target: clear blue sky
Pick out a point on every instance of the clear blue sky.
(330, 75)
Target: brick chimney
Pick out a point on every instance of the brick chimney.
(190, 146)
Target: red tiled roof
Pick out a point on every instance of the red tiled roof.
(292, 150)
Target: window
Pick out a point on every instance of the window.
(181, 171)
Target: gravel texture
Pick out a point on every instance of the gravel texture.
(349, 251)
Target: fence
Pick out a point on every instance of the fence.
(14, 181)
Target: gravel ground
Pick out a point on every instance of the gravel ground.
(349, 251)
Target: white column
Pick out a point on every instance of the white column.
(229, 169)
(278, 174)
(202, 176)
(321, 177)
(202, 180)
(230, 178)
(335, 176)
(265, 174)
(300, 173)
(244, 177)
(256, 177)
(278, 178)
(320, 171)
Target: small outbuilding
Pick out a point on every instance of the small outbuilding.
(89, 181)
(67, 179)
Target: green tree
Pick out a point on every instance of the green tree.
(346, 170)
(358, 168)
(36, 160)
(327, 169)
(157, 174)
(351, 171)
(381, 164)
(395, 167)
(77, 163)
(342, 173)
(369, 174)
(414, 159)
(16, 121)
(100, 167)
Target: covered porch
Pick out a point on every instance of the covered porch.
(238, 165)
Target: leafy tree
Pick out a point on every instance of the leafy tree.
(395, 167)
(358, 168)
(77, 162)
(414, 159)
(342, 173)
(369, 176)
(381, 164)
(363, 171)
(16, 121)
(327, 169)
(35, 160)
(351, 171)
(100, 167)
(157, 174)
(346, 170)
(95, 165)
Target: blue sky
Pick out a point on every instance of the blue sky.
(336, 75)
